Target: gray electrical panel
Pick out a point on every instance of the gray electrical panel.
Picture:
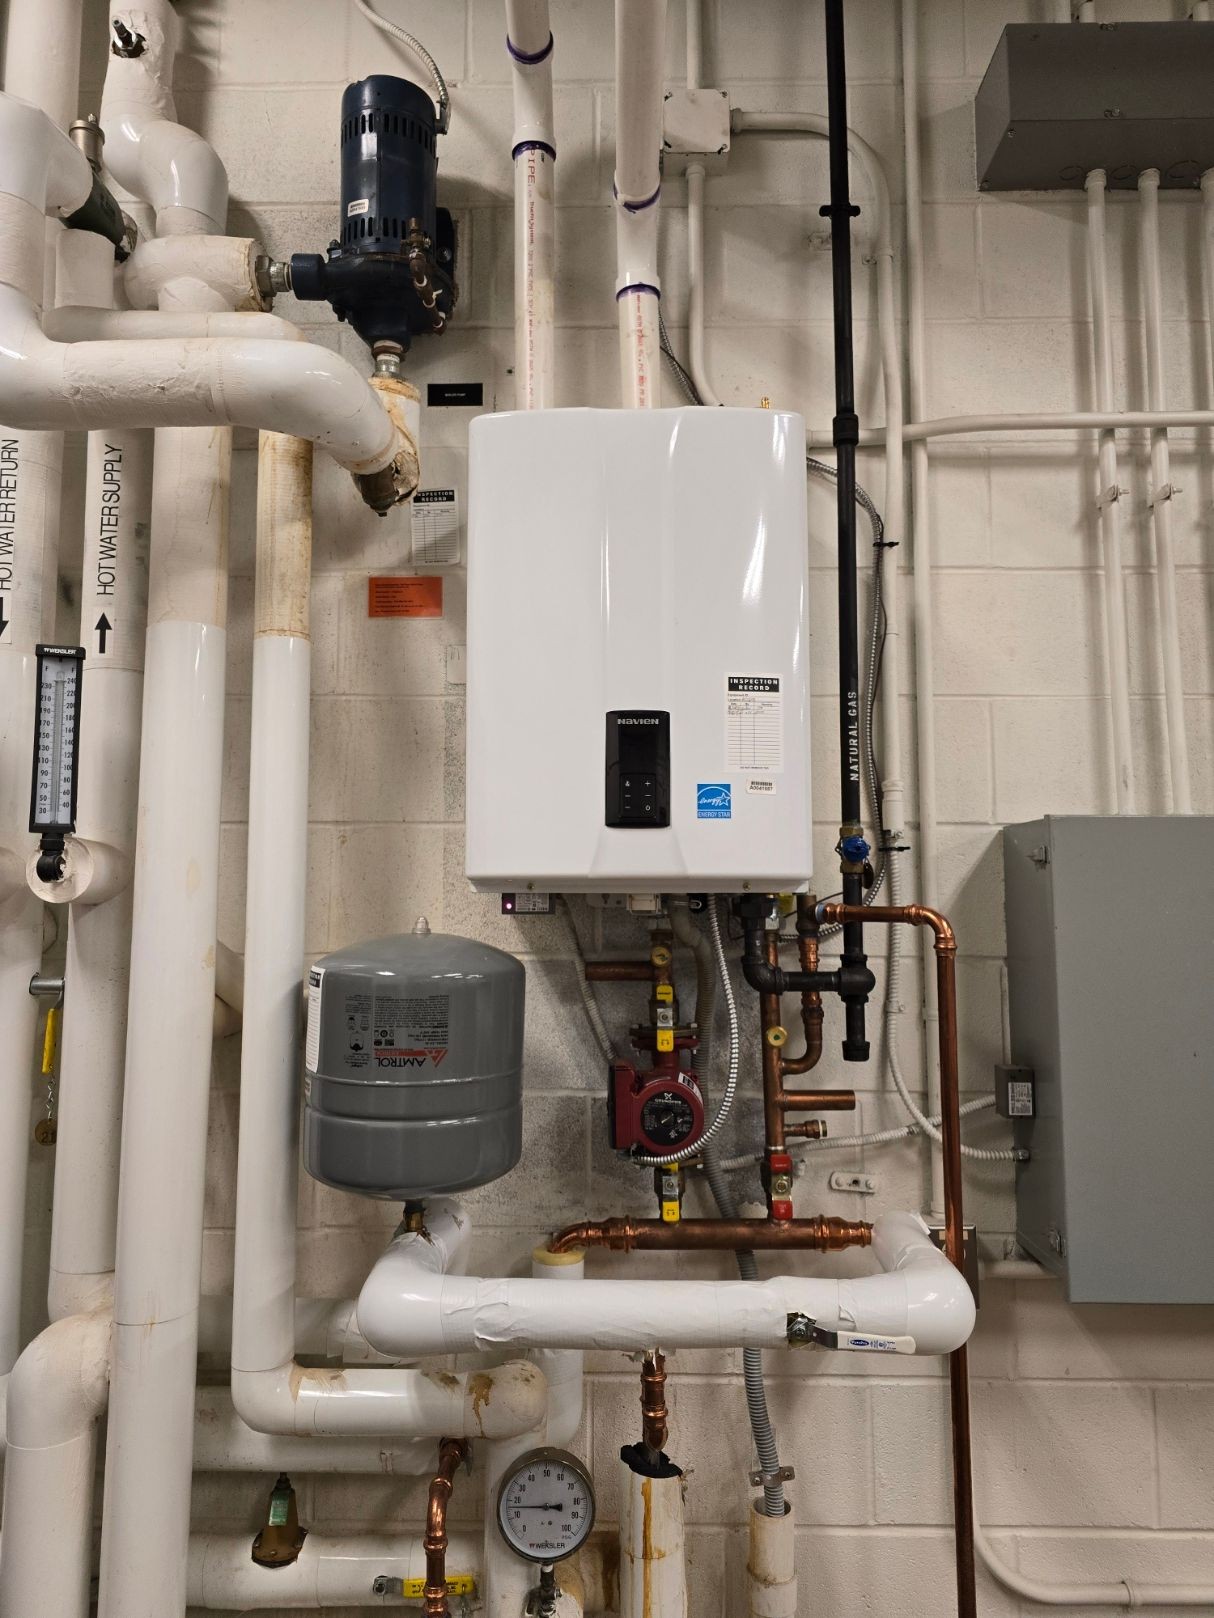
(1110, 940)
(1058, 100)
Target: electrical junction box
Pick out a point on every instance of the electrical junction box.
(1110, 929)
(638, 652)
(695, 129)
(1060, 99)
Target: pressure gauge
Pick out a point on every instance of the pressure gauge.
(56, 746)
(545, 1506)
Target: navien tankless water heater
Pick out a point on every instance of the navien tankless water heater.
(638, 694)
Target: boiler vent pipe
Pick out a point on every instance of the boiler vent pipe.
(640, 56)
(530, 44)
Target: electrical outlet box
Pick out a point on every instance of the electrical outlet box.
(1109, 933)
(695, 129)
(1058, 101)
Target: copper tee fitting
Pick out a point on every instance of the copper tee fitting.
(452, 1452)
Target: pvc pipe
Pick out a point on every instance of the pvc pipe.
(696, 362)
(529, 42)
(42, 55)
(147, 150)
(771, 1567)
(922, 577)
(145, 1533)
(55, 1394)
(99, 857)
(332, 1570)
(295, 388)
(640, 57)
(408, 1306)
(653, 1546)
(1116, 635)
(1162, 493)
(695, 44)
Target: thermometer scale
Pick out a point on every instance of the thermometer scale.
(56, 752)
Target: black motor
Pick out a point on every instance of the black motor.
(391, 275)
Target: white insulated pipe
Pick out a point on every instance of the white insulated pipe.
(1116, 637)
(42, 60)
(653, 1546)
(332, 1570)
(99, 856)
(771, 1565)
(529, 43)
(410, 1306)
(55, 1394)
(640, 71)
(225, 1443)
(168, 1064)
(146, 150)
(1162, 494)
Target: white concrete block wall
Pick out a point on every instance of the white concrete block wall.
(1094, 1428)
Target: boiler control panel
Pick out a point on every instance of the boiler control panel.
(638, 768)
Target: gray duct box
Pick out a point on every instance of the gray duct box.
(1110, 939)
(1060, 99)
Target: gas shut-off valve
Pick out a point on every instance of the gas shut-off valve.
(391, 271)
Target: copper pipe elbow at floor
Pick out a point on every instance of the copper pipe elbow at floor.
(452, 1452)
(822, 1234)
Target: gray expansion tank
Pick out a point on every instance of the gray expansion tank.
(413, 1083)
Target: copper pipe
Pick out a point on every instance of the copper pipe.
(653, 1403)
(823, 1234)
(619, 972)
(811, 1129)
(818, 1100)
(452, 1452)
(954, 1230)
(811, 1002)
(769, 1018)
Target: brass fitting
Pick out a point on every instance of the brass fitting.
(280, 1538)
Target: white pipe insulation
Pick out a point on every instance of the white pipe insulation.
(653, 1546)
(530, 46)
(640, 73)
(330, 1571)
(409, 1305)
(148, 152)
(42, 59)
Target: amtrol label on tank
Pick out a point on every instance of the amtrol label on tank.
(754, 722)
(410, 1030)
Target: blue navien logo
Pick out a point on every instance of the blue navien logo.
(714, 800)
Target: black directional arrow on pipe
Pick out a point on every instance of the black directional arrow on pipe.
(4, 622)
(103, 627)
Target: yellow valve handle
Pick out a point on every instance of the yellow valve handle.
(665, 1039)
(671, 1213)
(50, 1041)
(664, 993)
(458, 1584)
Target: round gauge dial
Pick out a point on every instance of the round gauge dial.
(667, 1118)
(545, 1505)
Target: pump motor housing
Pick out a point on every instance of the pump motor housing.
(414, 1059)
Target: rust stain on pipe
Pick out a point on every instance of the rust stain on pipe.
(822, 1234)
(945, 941)
(451, 1454)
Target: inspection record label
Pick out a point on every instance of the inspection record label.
(754, 722)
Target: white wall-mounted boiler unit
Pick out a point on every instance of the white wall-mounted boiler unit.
(638, 634)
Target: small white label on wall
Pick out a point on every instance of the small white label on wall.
(436, 527)
(359, 205)
(762, 786)
(312, 1044)
(754, 722)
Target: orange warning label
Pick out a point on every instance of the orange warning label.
(392, 597)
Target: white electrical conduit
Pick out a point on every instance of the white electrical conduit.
(1045, 421)
(1116, 1593)
(330, 1571)
(529, 42)
(1117, 642)
(55, 1394)
(146, 150)
(1162, 494)
(271, 1392)
(921, 561)
(409, 1306)
(640, 69)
